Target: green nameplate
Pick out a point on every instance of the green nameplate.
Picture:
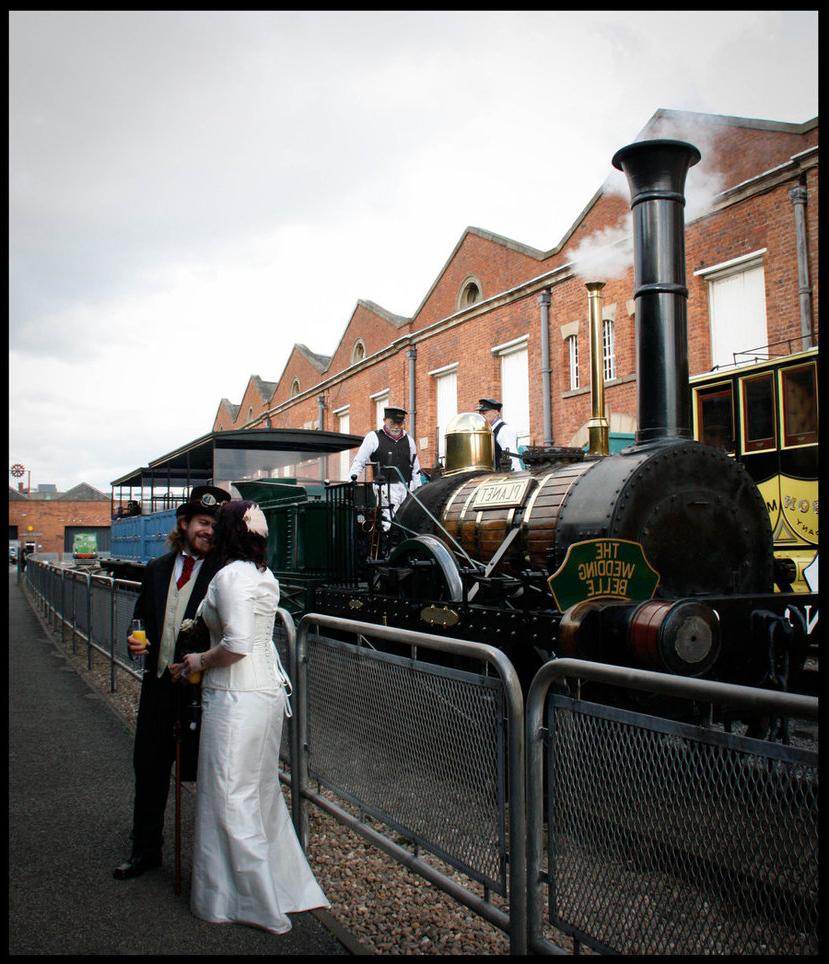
(603, 569)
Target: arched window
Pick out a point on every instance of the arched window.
(471, 292)
(358, 352)
(294, 387)
(250, 413)
(573, 350)
(608, 350)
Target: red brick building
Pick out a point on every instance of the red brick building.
(751, 264)
(51, 519)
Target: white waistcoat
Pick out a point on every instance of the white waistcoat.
(177, 600)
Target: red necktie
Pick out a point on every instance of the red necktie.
(189, 562)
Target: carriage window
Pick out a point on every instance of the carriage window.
(715, 418)
(758, 413)
(799, 392)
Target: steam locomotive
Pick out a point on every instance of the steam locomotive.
(660, 556)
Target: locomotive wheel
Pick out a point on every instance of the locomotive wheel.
(433, 572)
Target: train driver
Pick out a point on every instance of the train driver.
(394, 452)
(506, 439)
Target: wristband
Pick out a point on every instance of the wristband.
(201, 661)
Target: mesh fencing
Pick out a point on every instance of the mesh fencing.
(419, 746)
(674, 839)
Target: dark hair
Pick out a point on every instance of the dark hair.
(232, 540)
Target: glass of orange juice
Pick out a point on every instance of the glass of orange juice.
(138, 631)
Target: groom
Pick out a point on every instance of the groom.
(172, 587)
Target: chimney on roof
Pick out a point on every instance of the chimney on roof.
(19, 486)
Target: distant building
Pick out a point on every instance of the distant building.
(51, 519)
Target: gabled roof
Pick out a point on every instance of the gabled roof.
(397, 320)
(83, 493)
(524, 249)
(320, 362)
(15, 496)
(666, 117)
(231, 408)
(265, 389)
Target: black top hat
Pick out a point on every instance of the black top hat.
(488, 404)
(203, 500)
(395, 414)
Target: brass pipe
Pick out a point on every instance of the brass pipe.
(597, 427)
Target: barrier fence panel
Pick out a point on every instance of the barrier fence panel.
(125, 593)
(100, 628)
(667, 837)
(284, 639)
(426, 749)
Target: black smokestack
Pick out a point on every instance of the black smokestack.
(656, 172)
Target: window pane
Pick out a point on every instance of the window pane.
(799, 405)
(715, 415)
(573, 346)
(446, 393)
(758, 403)
(608, 352)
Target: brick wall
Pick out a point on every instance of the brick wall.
(49, 519)
(761, 217)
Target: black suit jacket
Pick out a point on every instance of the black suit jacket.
(152, 600)
(162, 700)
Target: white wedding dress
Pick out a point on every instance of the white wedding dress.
(248, 865)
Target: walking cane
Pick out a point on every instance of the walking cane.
(178, 805)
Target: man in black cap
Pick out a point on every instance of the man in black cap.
(172, 587)
(395, 453)
(506, 439)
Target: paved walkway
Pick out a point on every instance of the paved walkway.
(70, 806)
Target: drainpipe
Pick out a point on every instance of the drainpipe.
(546, 389)
(798, 197)
(321, 425)
(412, 355)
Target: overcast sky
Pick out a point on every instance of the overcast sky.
(191, 193)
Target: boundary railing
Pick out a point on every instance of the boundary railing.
(666, 837)
(434, 752)
(662, 836)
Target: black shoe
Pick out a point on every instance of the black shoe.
(136, 865)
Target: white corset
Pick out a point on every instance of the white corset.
(239, 609)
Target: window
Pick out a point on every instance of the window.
(758, 413)
(344, 426)
(515, 395)
(294, 387)
(737, 308)
(446, 402)
(608, 350)
(799, 394)
(358, 353)
(715, 417)
(471, 292)
(573, 351)
(381, 401)
(250, 413)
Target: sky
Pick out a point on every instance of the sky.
(191, 193)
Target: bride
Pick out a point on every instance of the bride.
(248, 865)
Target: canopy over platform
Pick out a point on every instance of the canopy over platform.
(221, 458)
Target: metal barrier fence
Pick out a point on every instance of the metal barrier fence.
(668, 838)
(96, 609)
(435, 753)
(662, 837)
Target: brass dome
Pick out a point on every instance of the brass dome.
(469, 444)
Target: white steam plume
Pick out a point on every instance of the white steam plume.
(609, 253)
(605, 254)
